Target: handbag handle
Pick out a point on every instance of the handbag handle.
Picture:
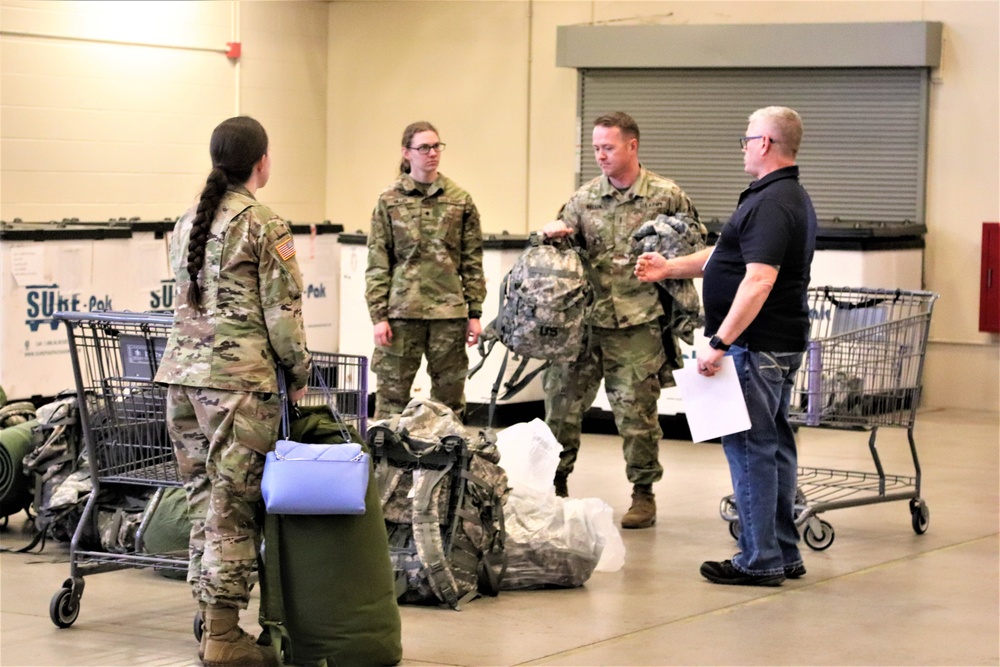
(286, 405)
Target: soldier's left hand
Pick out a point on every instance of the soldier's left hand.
(472, 332)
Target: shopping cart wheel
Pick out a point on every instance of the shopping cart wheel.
(727, 509)
(734, 529)
(921, 515)
(64, 608)
(199, 625)
(817, 534)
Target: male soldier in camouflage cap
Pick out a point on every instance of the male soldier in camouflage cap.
(424, 284)
(626, 350)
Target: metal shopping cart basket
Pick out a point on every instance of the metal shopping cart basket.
(343, 380)
(862, 370)
(123, 418)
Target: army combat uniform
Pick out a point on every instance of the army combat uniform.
(425, 276)
(221, 363)
(626, 348)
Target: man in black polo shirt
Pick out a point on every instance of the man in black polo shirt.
(754, 289)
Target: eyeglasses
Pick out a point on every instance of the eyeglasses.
(745, 140)
(424, 149)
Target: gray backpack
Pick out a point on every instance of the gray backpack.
(545, 305)
(442, 499)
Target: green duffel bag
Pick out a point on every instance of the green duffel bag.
(169, 530)
(16, 488)
(327, 588)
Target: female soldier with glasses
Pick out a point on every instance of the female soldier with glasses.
(424, 283)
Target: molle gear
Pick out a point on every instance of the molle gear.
(442, 499)
(227, 643)
(642, 514)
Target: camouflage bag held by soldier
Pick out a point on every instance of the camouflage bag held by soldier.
(545, 301)
(674, 236)
(442, 499)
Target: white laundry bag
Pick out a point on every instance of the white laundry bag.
(551, 541)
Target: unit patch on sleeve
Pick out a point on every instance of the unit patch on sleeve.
(285, 248)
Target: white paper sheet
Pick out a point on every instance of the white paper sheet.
(714, 406)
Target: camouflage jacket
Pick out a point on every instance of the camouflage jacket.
(603, 220)
(675, 236)
(251, 317)
(425, 253)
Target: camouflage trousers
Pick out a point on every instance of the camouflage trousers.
(629, 360)
(396, 365)
(220, 438)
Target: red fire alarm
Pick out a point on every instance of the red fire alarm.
(234, 50)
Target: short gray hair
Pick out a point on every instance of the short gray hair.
(786, 125)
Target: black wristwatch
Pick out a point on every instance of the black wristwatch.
(716, 344)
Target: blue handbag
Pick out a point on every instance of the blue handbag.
(301, 478)
(304, 478)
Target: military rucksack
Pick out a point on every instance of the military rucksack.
(545, 304)
(442, 498)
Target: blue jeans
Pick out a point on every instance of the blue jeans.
(763, 465)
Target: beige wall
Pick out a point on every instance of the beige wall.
(101, 130)
(463, 66)
(95, 129)
(485, 72)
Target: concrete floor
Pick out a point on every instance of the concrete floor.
(880, 595)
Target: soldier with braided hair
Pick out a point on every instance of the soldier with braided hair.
(238, 319)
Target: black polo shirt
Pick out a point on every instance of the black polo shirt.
(774, 223)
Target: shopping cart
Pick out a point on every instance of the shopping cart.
(123, 418)
(862, 370)
(122, 413)
(340, 379)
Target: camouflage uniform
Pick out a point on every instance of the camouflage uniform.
(221, 365)
(627, 350)
(425, 276)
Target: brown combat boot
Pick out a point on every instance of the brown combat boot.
(227, 644)
(560, 483)
(642, 514)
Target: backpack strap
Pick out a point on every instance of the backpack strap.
(491, 564)
(485, 346)
(488, 339)
(496, 388)
(517, 383)
(427, 491)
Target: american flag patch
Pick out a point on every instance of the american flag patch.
(286, 249)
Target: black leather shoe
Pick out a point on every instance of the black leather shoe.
(726, 573)
(795, 571)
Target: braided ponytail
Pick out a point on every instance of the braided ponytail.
(211, 196)
(237, 145)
